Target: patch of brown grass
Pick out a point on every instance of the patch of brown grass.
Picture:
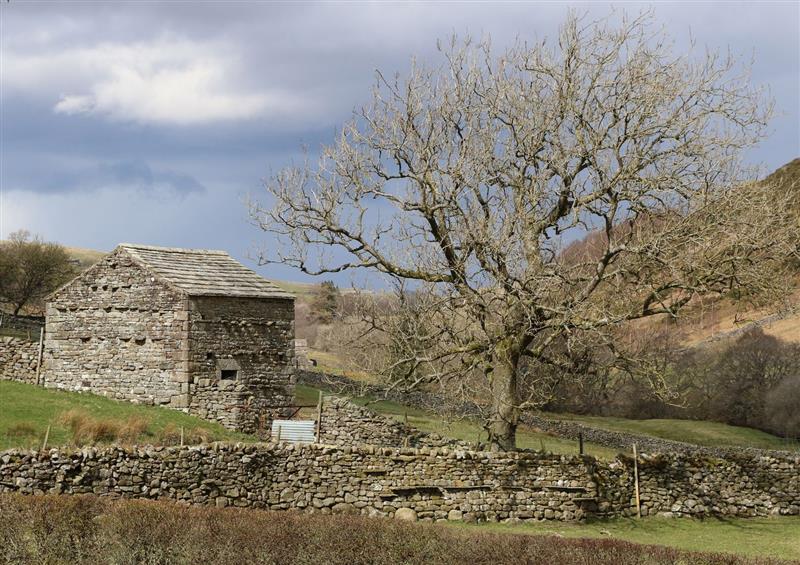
(87, 430)
(171, 435)
(21, 430)
(132, 429)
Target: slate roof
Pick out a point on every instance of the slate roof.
(203, 272)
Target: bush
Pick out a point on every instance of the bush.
(89, 530)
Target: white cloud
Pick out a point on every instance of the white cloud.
(165, 81)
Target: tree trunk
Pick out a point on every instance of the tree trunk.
(505, 411)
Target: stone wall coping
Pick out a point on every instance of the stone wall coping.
(368, 449)
(252, 448)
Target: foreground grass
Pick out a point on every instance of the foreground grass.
(757, 537)
(712, 434)
(89, 530)
(26, 411)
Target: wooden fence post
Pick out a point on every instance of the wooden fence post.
(319, 415)
(46, 437)
(39, 359)
(580, 443)
(636, 482)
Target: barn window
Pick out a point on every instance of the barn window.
(228, 374)
(228, 369)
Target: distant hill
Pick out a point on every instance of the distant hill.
(787, 176)
(85, 257)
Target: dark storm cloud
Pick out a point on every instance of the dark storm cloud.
(122, 175)
(177, 109)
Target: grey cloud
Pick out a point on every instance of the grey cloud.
(324, 52)
(122, 175)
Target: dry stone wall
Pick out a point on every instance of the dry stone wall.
(345, 423)
(427, 483)
(18, 359)
(699, 485)
(434, 483)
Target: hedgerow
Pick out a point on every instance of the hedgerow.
(90, 530)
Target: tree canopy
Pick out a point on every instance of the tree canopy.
(469, 182)
(30, 269)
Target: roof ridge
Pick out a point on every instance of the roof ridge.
(203, 272)
(174, 249)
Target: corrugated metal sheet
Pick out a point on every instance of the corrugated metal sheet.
(296, 431)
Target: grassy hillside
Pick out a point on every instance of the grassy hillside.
(85, 257)
(710, 434)
(27, 410)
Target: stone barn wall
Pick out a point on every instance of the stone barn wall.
(117, 331)
(434, 483)
(18, 358)
(253, 336)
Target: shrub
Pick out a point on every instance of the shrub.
(85, 529)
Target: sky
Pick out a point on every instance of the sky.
(152, 122)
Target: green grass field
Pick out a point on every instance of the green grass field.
(27, 410)
(697, 432)
(467, 430)
(754, 537)
(712, 434)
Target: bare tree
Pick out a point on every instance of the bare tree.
(465, 183)
(30, 269)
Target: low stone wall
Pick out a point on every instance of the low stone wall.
(607, 438)
(422, 399)
(344, 423)
(18, 359)
(427, 483)
(434, 483)
(30, 324)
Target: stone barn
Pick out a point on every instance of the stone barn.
(184, 328)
